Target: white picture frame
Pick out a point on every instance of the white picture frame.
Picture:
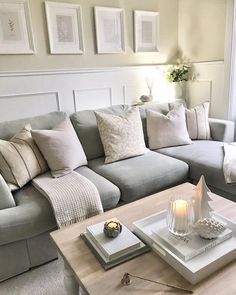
(146, 31)
(16, 36)
(110, 35)
(65, 31)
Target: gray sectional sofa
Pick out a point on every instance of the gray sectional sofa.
(27, 219)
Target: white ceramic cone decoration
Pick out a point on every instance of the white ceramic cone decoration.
(202, 208)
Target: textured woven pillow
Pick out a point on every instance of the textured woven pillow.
(197, 122)
(20, 159)
(170, 130)
(61, 148)
(122, 136)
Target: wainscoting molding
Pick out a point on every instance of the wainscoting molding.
(24, 94)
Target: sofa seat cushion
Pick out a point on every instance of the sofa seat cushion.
(204, 157)
(31, 216)
(109, 193)
(143, 175)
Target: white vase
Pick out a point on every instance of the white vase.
(176, 90)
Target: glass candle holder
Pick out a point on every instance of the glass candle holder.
(180, 216)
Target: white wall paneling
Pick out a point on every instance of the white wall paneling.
(92, 98)
(13, 106)
(209, 86)
(26, 94)
(197, 92)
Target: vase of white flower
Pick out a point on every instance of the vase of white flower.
(176, 90)
(177, 75)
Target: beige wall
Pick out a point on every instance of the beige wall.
(202, 29)
(43, 60)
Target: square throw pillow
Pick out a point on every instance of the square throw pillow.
(122, 136)
(61, 148)
(197, 121)
(170, 130)
(20, 159)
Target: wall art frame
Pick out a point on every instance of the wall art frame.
(16, 35)
(65, 29)
(110, 33)
(146, 31)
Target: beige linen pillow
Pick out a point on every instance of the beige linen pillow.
(122, 136)
(170, 130)
(197, 122)
(61, 148)
(20, 159)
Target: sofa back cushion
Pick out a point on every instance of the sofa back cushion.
(48, 121)
(85, 125)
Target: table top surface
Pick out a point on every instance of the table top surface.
(95, 280)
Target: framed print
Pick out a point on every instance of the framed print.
(146, 31)
(16, 35)
(64, 22)
(109, 30)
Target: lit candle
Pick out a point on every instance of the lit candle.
(180, 212)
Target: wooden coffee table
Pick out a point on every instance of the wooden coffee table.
(95, 280)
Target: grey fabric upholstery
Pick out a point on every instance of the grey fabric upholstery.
(204, 157)
(109, 193)
(48, 121)
(14, 259)
(6, 197)
(85, 125)
(19, 256)
(222, 130)
(32, 216)
(41, 249)
(143, 175)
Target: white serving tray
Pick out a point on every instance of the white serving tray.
(197, 268)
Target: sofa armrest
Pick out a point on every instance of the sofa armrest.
(6, 197)
(222, 130)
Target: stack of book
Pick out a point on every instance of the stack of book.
(113, 251)
(188, 247)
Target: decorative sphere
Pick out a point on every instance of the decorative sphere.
(112, 228)
(208, 228)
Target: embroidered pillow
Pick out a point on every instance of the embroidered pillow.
(170, 130)
(61, 148)
(197, 122)
(20, 159)
(121, 136)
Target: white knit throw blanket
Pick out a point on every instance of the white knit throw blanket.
(73, 197)
(229, 165)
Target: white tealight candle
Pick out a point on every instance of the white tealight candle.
(180, 208)
(179, 217)
(180, 211)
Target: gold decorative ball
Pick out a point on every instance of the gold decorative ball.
(112, 228)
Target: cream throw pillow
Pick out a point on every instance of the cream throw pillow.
(20, 159)
(122, 136)
(170, 130)
(61, 148)
(197, 122)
